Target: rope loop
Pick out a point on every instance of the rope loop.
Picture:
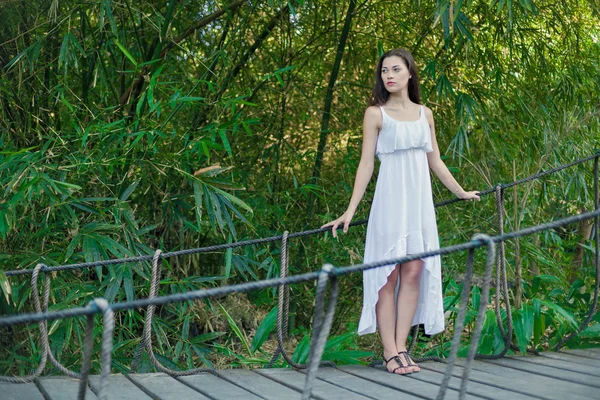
(109, 325)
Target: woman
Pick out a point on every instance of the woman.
(401, 132)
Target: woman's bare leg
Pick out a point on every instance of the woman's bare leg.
(386, 313)
(408, 298)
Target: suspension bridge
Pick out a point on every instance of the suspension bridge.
(550, 375)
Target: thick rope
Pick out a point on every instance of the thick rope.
(283, 304)
(147, 333)
(267, 283)
(88, 347)
(594, 305)
(459, 323)
(485, 292)
(321, 325)
(43, 325)
(44, 308)
(501, 283)
(277, 238)
(109, 325)
(283, 309)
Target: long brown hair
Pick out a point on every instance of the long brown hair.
(380, 94)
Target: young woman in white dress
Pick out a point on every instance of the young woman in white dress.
(401, 132)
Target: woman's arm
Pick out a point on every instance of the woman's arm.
(439, 168)
(371, 127)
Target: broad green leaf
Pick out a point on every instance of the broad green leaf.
(566, 315)
(264, 329)
(302, 351)
(476, 297)
(591, 332)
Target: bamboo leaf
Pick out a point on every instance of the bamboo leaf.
(128, 191)
(126, 52)
(5, 286)
(264, 329)
(236, 330)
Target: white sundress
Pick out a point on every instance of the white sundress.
(402, 220)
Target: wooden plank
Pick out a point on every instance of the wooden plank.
(571, 358)
(62, 388)
(559, 364)
(20, 391)
(589, 353)
(259, 385)
(561, 388)
(118, 387)
(520, 382)
(359, 385)
(217, 388)
(321, 390)
(479, 388)
(541, 370)
(164, 387)
(405, 384)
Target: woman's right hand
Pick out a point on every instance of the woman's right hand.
(344, 219)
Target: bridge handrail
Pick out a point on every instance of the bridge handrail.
(309, 232)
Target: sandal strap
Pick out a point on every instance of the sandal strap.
(408, 359)
(397, 359)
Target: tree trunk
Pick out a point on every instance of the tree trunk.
(327, 107)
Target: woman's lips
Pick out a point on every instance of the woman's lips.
(391, 83)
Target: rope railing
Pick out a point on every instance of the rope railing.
(321, 326)
(322, 319)
(243, 243)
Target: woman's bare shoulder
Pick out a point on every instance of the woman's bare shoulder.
(373, 116)
(372, 111)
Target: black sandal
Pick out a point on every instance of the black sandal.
(408, 360)
(400, 363)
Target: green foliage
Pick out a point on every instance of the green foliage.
(130, 127)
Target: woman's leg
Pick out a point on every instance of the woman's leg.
(408, 298)
(386, 313)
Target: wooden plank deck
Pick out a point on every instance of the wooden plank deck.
(571, 374)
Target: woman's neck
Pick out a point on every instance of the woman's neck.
(399, 100)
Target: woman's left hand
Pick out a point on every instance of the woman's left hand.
(474, 195)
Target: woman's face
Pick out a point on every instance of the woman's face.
(394, 74)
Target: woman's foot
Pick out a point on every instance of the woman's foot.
(406, 360)
(394, 364)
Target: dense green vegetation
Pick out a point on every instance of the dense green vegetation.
(131, 126)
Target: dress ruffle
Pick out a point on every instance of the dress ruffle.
(403, 135)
